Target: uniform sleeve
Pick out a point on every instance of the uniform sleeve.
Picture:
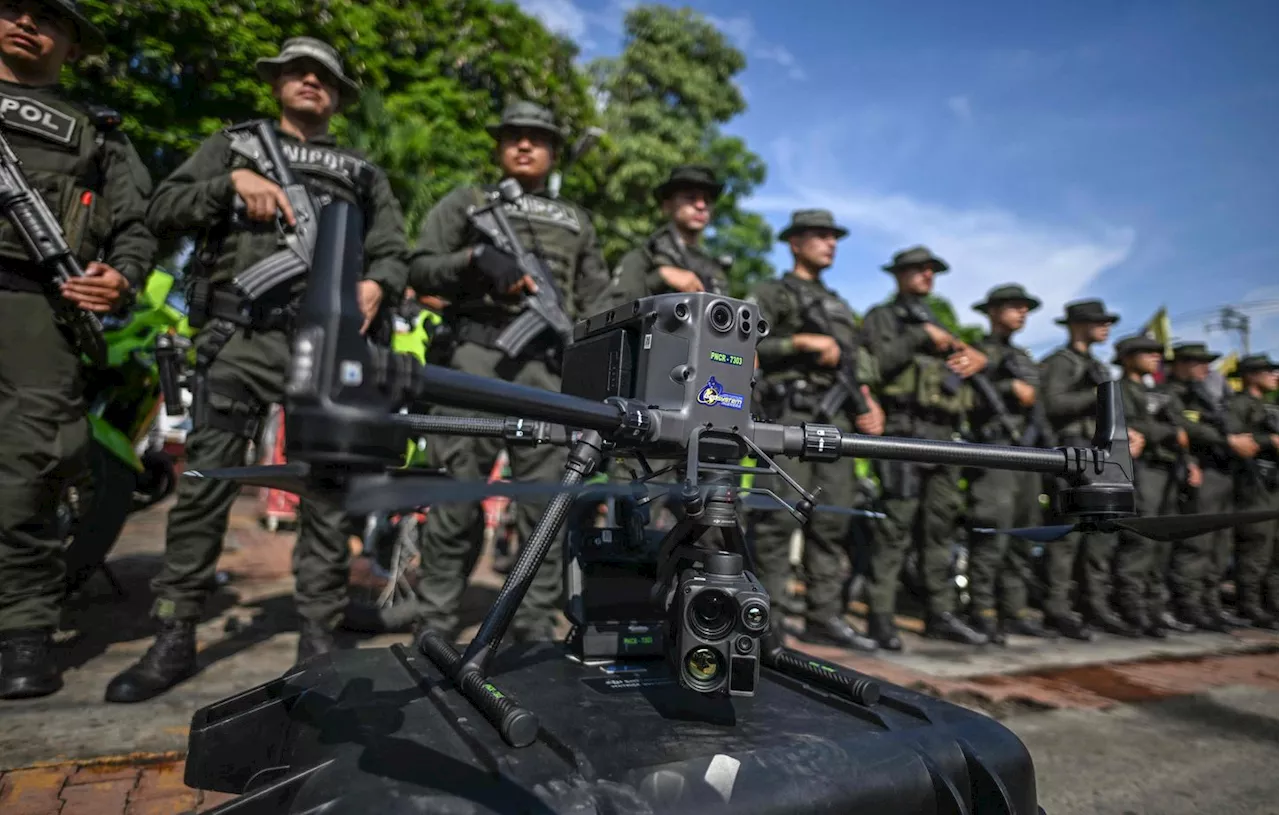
(1062, 404)
(1204, 438)
(627, 282)
(775, 307)
(440, 262)
(384, 241)
(893, 344)
(196, 194)
(592, 281)
(867, 369)
(128, 185)
(1135, 412)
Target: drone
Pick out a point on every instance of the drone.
(678, 618)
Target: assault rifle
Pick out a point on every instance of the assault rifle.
(47, 248)
(920, 313)
(1038, 432)
(543, 309)
(847, 387)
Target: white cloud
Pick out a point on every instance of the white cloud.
(741, 31)
(559, 16)
(985, 247)
(961, 107)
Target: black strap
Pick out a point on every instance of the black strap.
(11, 281)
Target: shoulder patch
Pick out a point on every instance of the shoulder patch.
(37, 118)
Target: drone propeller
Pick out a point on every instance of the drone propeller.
(766, 501)
(1159, 527)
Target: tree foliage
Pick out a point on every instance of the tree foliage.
(178, 70)
(665, 99)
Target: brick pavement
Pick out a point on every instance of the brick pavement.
(146, 786)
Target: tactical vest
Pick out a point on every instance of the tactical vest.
(1004, 359)
(1085, 374)
(328, 172)
(921, 385)
(60, 145)
(664, 249)
(825, 313)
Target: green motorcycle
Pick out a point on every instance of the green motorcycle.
(124, 401)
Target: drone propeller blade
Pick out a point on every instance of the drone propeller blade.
(1039, 534)
(769, 503)
(404, 492)
(1179, 527)
(292, 477)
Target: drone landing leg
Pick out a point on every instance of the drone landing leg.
(517, 725)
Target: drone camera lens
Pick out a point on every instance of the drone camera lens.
(745, 644)
(703, 668)
(755, 615)
(711, 614)
(763, 328)
(721, 317)
(682, 311)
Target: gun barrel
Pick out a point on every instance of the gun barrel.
(275, 154)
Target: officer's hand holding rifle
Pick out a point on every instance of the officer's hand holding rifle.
(827, 348)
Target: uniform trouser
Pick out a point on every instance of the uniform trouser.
(825, 559)
(1142, 564)
(999, 565)
(921, 507)
(452, 533)
(1200, 563)
(198, 520)
(1255, 550)
(44, 446)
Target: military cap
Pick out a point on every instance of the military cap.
(88, 36)
(1086, 311)
(689, 176)
(523, 113)
(1254, 363)
(1138, 344)
(1008, 293)
(296, 48)
(805, 219)
(916, 256)
(1193, 352)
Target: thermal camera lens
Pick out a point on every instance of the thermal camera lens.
(703, 668)
(755, 615)
(711, 614)
(721, 317)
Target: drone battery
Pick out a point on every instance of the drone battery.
(381, 730)
(612, 355)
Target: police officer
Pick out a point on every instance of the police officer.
(245, 369)
(1218, 443)
(671, 259)
(1256, 489)
(812, 329)
(1161, 467)
(1069, 381)
(923, 368)
(1002, 499)
(71, 153)
(485, 289)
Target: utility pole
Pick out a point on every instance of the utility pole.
(1232, 319)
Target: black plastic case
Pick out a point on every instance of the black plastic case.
(379, 731)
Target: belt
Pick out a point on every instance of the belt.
(18, 278)
(227, 304)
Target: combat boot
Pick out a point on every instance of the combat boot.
(947, 626)
(1024, 625)
(1172, 623)
(884, 631)
(1232, 620)
(987, 624)
(169, 660)
(27, 666)
(1109, 622)
(314, 639)
(1069, 625)
(837, 631)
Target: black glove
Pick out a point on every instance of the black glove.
(500, 270)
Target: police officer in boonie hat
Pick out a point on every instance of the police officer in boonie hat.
(1193, 352)
(1086, 311)
(672, 258)
(1009, 293)
(1256, 484)
(916, 256)
(318, 52)
(525, 115)
(805, 220)
(1140, 344)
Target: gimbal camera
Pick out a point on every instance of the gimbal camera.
(669, 380)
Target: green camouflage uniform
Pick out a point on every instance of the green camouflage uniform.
(792, 385)
(1069, 380)
(1255, 489)
(248, 374)
(922, 501)
(96, 187)
(562, 235)
(1142, 564)
(637, 275)
(1200, 563)
(999, 565)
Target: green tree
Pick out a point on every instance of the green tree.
(665, 99)
(178, 70)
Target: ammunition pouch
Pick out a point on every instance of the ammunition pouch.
(898, 479)
(238, 411)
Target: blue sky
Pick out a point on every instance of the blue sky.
(1120, 150)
